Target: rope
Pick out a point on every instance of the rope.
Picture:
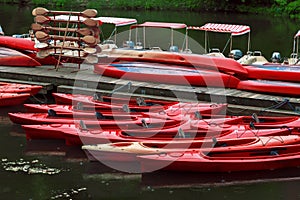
(121, 87)
(280, 104)
(40, 101)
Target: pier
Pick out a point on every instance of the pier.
(71, 79)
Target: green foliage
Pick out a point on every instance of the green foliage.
(278, 7)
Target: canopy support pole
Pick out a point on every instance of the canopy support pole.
(297, 50)
(230, 48)
(144, 35)
(172, 39)
(205, 41)
(115, 35)
(248, 42)
(186, 39)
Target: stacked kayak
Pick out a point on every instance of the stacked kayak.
(21, 52)
(224, 65)
(12, 99)
(11, 57)
(164, 135)
(15, 94)
(166, 73)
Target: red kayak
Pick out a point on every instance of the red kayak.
(19, 88)
(17, 43)
(215, 160)
(181, 111)
(271, 87)
(74, 135)
(273, 71)
(10, 57)
(133, 106)
(69, 99)
(238, 122)
(114, 103)
(225, 65)
(240, 125)
(163, 73)
(121, 122)
(12, 99)
(127, 151)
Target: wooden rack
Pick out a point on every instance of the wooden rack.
(52, 30)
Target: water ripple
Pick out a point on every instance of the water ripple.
(29, 167)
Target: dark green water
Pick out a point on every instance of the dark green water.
(51, 170)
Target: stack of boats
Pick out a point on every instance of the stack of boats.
(168, 135)
(15, 94)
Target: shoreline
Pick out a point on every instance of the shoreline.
(283, 8)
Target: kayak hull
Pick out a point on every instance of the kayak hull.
(10, 57)
(271, 87)
(169, 74)
(12, 99)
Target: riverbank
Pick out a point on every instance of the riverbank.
(276, 7)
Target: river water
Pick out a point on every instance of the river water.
(51, 170)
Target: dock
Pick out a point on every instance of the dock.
(71, 79)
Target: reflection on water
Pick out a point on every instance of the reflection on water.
(28, 167)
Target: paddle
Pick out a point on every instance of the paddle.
(85, 49)
(42, 19)
(46, 52)
(43, 11)
(82, 31)
(89, 40)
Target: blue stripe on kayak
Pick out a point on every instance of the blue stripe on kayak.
(157, 69)
(278, 67)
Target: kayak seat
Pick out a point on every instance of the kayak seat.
(180, 133)
(126, 108)
(82, 125)
(97, 97)
(274, 153)
(99, 115)
(52, 113)
(79, 106)
(216, 143)
(255, 117)
(140, 101)
(198, 115)
(145, 125)
(252, 126)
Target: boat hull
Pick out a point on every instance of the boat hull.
(274, 71)
(10, 57)
(225, 65)
(12, 99)
(169, 74)
(271, 87)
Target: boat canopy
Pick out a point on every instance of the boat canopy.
(160, 25)
(233, 29)
(117, 22)
(169, 25)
